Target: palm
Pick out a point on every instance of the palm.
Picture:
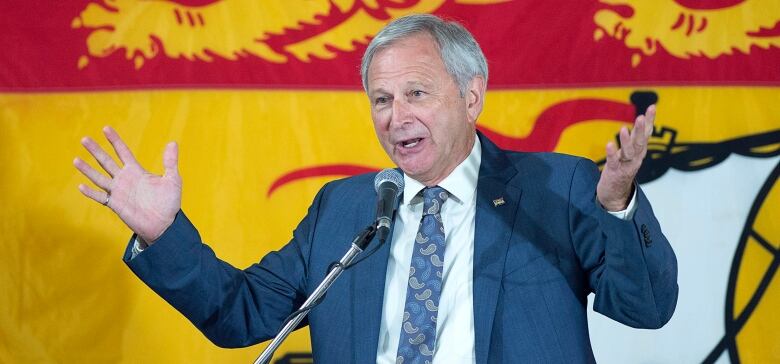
(144, 200)
(146, 203)
(616, 182)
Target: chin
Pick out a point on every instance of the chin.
(415, 171)
(416, 166)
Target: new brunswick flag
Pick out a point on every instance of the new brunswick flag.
(264, 99)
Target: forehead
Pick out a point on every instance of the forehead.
(416, 53)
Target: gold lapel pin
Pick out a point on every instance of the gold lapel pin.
(498, 202)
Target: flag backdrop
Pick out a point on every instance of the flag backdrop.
(264, 98)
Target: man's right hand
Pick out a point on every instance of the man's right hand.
(146, 203)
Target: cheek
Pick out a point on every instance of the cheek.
(381, 120)
(438, 127)
(381, 130)
(379, 125)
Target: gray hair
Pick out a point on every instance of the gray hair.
(460, 52)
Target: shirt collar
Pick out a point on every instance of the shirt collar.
(461, 183)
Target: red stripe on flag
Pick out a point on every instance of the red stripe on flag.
(554, 120)
(319, 171)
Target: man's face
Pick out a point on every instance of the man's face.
(422, 121)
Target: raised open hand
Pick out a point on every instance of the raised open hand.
(617, 179)
(146, 203)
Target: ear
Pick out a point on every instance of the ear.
(475, 98)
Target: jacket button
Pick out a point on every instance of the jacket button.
(646, 235)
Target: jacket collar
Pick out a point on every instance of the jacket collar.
(497, 202)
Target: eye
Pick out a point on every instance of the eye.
(381, 100)
(417, 93)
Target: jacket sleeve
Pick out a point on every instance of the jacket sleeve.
(232, 307)
(629, 264)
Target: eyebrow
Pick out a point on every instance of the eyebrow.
(375, 91)
(419, 83)
(408, 84)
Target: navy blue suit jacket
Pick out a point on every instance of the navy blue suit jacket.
(536, 259)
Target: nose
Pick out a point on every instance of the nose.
(402, 113)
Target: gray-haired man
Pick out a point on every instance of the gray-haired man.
(492, 254)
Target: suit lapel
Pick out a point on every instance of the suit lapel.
(497, 203)
(368, 287)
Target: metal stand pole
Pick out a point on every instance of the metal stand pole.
(357, 247)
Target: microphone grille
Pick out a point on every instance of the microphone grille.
(389, 175)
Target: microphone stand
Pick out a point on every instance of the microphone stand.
(358, 244)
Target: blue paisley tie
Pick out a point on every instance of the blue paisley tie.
(418, 329)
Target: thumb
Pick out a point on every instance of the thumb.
(171, 159)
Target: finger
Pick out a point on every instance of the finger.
(613, 160)
(100, 156)
(171, 159)
(99, 197)
(638, 136)
(96, 177)
(649, 120)
(121, 149)
(626, 151)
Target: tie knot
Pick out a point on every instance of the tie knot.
(433, 198)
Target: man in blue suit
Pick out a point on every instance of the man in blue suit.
(492, 254)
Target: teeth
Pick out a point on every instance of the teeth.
(411, 143)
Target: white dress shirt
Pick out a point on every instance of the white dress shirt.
(455, 321)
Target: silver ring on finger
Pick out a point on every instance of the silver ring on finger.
(108, 199)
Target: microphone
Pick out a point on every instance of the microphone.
(388, 184)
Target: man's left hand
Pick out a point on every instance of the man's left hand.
(617, 179)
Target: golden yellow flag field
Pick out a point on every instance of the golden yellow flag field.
(262, 126)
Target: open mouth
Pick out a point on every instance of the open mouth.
(410, 143)
(410, 146)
